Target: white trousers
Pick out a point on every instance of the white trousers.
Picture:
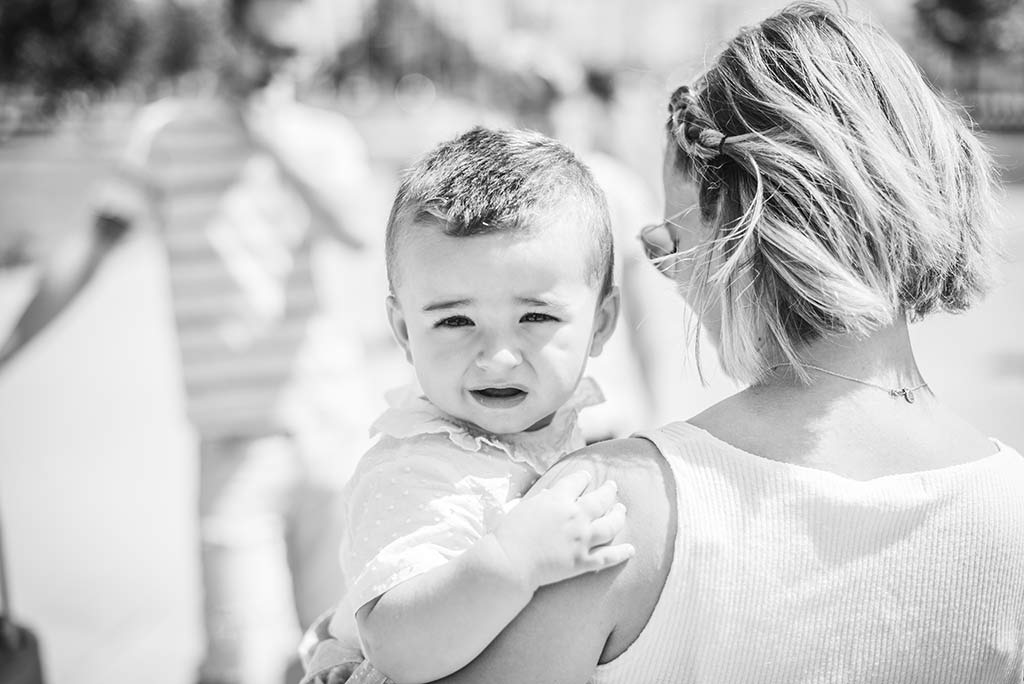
(269, 537)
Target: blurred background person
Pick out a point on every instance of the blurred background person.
(239, 181)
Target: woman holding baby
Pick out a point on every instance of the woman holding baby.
(833, 522)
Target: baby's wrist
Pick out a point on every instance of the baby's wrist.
(512, 562)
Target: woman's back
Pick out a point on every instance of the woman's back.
(786, 573)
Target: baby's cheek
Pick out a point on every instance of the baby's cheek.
(571, 342)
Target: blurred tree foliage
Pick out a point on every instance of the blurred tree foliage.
(58, 46)
(974, 28)
(400, 38)
(183, 38)
(53, 49)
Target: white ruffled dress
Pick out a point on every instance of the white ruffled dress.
(431, 487)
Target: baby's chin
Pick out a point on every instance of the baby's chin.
(501, 428)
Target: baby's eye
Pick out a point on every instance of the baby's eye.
(453, 322)
(535, 317)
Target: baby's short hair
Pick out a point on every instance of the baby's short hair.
(487, 181)
(837, 188)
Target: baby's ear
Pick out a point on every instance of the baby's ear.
(605, 320)
(398, 326)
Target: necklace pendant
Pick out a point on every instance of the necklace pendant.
(905, 392)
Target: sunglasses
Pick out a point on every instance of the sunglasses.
(653, 235)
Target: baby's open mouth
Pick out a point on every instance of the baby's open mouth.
(499, 392)
(499, 396)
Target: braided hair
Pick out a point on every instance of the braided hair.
(837, 190)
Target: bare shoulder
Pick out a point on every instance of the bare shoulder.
(647, 489)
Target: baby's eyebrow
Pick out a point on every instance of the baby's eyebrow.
(450, 304)
(531, 301)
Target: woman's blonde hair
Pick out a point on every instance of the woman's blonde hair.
(839, 189)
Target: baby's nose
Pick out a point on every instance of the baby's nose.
(499, 358)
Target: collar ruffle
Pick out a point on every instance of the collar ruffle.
(411, 414)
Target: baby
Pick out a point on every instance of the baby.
(499, 258)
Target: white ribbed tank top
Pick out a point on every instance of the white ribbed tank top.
(788, 574)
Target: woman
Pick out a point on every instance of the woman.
(833, 522)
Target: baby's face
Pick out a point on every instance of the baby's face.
(499, 327)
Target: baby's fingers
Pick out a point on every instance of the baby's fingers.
(606, 556)
(573, 484)
(604, 529)
(600, 501)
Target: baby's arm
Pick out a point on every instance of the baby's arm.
(437, 622)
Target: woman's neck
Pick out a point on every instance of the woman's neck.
(885, 358)
(852, 419)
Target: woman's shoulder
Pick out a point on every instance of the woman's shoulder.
(631, 457)
(645, 466)
(647, 488)
(640, 471)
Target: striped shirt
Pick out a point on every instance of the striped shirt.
(257, 354)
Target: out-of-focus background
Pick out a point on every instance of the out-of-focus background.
(97, 473)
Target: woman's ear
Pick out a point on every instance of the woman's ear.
(398, 325)
(605, 320)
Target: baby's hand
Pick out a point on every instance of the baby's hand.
(351, 673)
(561, 532)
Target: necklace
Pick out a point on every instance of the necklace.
(906, 392)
